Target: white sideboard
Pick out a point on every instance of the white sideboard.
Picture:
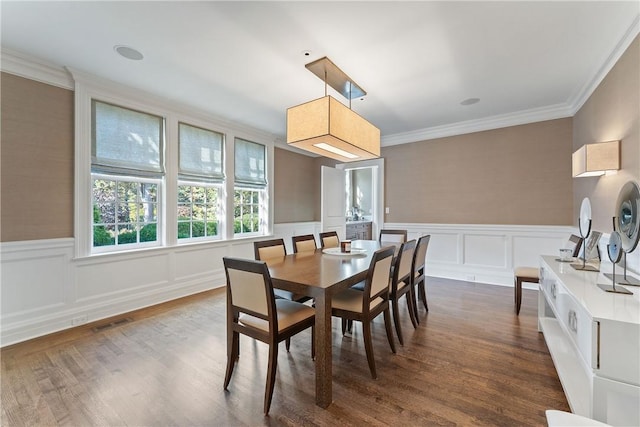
(594, 340)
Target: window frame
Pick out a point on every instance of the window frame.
(130, 246)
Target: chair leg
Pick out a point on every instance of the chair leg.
(233, 346)
(423, 293)
(287, 344)
(387, 327)
(271, 376)
(518, 294)
(414, 303)
(396, 320)
(410, 304)
(350, 326)
(313, 343)
(368, 347)
(344, 326)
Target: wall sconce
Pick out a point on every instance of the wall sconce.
(327, 127)
(596, 159)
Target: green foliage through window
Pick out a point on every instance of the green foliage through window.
(198, 207)
(124, 212)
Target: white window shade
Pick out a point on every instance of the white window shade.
(250, 164)
(200, 154)
(126, 141)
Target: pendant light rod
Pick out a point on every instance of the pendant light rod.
(329, 72)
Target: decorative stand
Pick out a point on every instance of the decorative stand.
(584, 266)
(624, 280)
(615, 253)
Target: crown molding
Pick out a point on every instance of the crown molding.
(558, 111)
(33, 68)
(587, 90)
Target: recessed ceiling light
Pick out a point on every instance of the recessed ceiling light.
(470, 101)
(128, 52)
(306, 52)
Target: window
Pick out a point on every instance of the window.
(151, 174)
(250, 207)
(124, 212)
(199, 182)
(127, 169)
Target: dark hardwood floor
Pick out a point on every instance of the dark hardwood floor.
(471, 362)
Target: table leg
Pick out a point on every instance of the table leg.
(324, 376)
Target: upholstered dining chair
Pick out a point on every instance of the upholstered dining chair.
(418, 273)
(393, 236)
(329, 239)
(532, 274)
(304, 243)
(253, 310)
(267, 250)
(402, 284)
(364, 306)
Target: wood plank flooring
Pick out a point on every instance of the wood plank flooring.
(471, 362)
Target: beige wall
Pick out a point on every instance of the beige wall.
(514, 175)
(296, 187)
(36, 170)
(611, 113)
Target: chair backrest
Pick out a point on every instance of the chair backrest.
(393, 236)
(404, 261)
(420, 255)
(329, 239)
(249, 288)
(377, 281)
(575, 243)
(305, 243)
(269, 249)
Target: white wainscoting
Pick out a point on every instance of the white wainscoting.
(44, 289)
(485, 253)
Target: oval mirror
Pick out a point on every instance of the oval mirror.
(627, 221)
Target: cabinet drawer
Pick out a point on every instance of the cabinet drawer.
(578, 323)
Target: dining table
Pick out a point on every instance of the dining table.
(320, 274)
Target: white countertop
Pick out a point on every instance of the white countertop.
(361, 221)
(583, 285)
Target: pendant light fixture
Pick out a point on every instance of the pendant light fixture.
(327, 127)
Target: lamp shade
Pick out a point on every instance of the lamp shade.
(596, 159)
(327, 127)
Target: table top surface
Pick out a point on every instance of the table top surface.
(321, 270)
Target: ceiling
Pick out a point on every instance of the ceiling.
(417, 61)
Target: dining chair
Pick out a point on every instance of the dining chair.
(266, 250)
(329, 239)
(393, 236)
(402, 284)
(418, 273)
(304, 243)
(253, 310)
(364, 306)
(532, 274)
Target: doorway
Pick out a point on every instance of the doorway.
(365, 177)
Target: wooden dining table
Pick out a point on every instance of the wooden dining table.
(322, 275)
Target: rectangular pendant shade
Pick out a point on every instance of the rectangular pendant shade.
(327, 127)
(596, 159)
